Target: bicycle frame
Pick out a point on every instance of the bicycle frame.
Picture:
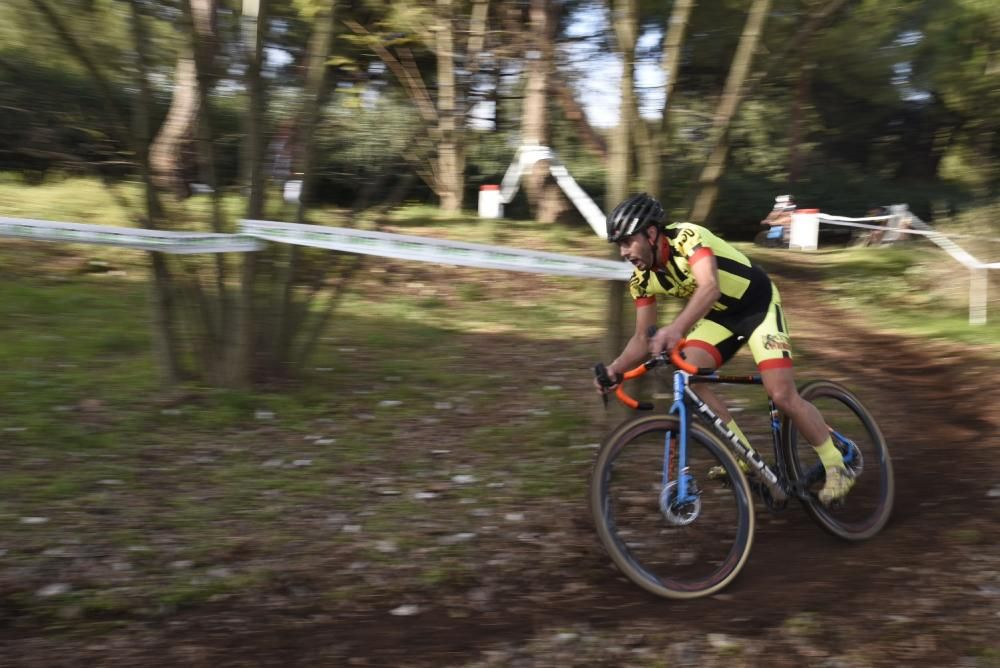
(773, 486)
(684, 398)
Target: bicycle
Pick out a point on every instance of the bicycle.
(681, 533)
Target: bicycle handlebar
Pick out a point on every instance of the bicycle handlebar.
(605, 380)
(676, 357)
(660, 359)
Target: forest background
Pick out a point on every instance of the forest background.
(198, 112)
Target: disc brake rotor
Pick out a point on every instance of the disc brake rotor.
(683, 513)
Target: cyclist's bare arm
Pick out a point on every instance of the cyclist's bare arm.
(637, 348)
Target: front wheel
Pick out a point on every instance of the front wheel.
(676, 545)
(866, 508)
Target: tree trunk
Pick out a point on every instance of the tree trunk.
(574, 113)
(672, 43)
(799, 103)
(708, 183)
(201, 15)
(165, 343)
(166, 155)
(625, 22)
(648, 152)
(289, 312)
(220, 341)
(545, 199)
(255, 181)
(451, 165)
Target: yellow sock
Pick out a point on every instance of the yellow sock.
(733, 427)
(829, 455)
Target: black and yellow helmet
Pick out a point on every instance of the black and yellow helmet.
(634, 214)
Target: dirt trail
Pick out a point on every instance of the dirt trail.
(939, 408)
(924, 592)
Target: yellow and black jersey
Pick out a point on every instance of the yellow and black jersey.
(743, 286)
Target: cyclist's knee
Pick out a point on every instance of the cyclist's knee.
(785, 397)
(700, 357)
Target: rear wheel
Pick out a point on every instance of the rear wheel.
(673, 547)
(867, 507)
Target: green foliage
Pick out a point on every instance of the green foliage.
(898, 106)
(101, 26)
(957, 62)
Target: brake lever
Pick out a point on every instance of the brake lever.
(604, 379)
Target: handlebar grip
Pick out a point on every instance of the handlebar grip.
(603, 378)
(632, 403)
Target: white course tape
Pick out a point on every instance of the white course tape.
(163, 241)
(824, 216)
(948, 245)
(919, 228)
(422, 249)
(928, 232)
(852, 222)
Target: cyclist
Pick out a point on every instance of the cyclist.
(729, 302)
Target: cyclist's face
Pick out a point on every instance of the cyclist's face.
(638, 249)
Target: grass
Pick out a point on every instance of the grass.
(427, 374)
(915, 290)
(81, 200)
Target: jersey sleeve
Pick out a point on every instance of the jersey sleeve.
(637, 289)
(692, 246)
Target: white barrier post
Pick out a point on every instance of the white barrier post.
(292, 191)
(490, 205)
(805, 229)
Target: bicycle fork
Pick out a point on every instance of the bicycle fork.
(679, 409)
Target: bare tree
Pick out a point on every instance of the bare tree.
(255, 17)
(201, 315)
(708, 183)
(166, 154)
(288, 310)
(255, 13)
(165, 342)
(653, 140)
(740, 86)
(625, 21)
(450, 159)
(438, 156)
(545, 199)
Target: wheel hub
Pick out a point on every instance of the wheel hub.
(680, 513)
